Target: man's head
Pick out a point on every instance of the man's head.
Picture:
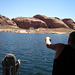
(71, 40)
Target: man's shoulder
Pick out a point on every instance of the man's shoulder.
(60, 48)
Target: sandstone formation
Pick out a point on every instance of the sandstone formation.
(52, 22)
(6, 21)
(69, 22)
(38, 21)
(27, 22)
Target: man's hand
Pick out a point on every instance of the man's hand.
(48, 40)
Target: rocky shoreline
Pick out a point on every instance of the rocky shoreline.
(36, 31)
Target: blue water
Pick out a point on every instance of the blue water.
(30, 47)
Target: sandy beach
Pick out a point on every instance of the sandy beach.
(39, 31)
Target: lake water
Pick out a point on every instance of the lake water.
(30, 47)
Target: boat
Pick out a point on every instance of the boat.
(10, 66)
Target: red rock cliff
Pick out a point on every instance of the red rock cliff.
(52, 22)
(27, 22)
(6, 21)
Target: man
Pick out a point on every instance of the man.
(64, 62)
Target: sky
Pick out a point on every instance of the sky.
(28, 8)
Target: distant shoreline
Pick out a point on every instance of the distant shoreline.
(39, 31)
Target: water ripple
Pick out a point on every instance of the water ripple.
(30, 47)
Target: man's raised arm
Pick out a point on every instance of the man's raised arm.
(55, 47)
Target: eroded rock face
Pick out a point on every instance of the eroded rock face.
(6, 21)
(27, 22)
(38, 21)
(69, 22)
(52, 22)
